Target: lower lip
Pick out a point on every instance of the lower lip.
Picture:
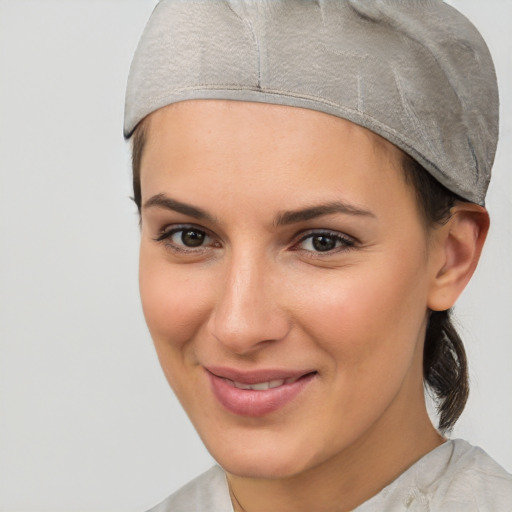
(255, 403)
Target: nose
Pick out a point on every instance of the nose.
(248, 312)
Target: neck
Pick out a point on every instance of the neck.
(350, 477)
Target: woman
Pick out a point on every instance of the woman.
(311, 180)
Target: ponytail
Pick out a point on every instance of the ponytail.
(445, 370)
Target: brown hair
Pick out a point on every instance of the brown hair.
(445, 371)
(138, 143)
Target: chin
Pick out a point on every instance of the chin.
(264, 468)
(270, 459)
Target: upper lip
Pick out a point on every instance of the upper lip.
(256, 376)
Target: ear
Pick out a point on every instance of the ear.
(457, 247)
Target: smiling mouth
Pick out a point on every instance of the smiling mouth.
(259, 393)
(261, 386)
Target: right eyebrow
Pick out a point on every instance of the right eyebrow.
(166, 202)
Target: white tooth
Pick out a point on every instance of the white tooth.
(275, 383)
(240, 385)
(230, 382)
(260, 386)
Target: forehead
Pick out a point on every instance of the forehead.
(237, 144)
(205, 121)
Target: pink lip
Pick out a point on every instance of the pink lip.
(255, 403)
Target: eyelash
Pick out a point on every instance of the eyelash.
(165, 237)
(345, 243)
(342, 242)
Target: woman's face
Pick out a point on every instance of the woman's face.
(285, 278)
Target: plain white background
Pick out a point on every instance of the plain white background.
(87, 422)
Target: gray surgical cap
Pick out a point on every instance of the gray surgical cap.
(416, 72)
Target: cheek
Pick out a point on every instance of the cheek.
(368, 324)
(173, 301)
(368, 315)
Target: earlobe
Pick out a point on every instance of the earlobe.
(458, 247)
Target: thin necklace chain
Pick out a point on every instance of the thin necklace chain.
(233, 495)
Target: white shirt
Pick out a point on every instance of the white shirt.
(455, 477)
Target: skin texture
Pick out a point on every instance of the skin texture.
(257, 295)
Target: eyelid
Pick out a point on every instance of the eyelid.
(348, 242)
(174, 228)
(167, 232)
(331, 232)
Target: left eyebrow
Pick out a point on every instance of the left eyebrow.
(291, 217)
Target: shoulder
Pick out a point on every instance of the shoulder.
(452, 478)
(474, 479)
(208, 491)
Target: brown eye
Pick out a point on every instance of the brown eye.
(192, 237)
(325, 242)
(185, 238)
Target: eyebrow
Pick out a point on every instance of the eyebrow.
(283, 219)
(291, 217)
(163, 201)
